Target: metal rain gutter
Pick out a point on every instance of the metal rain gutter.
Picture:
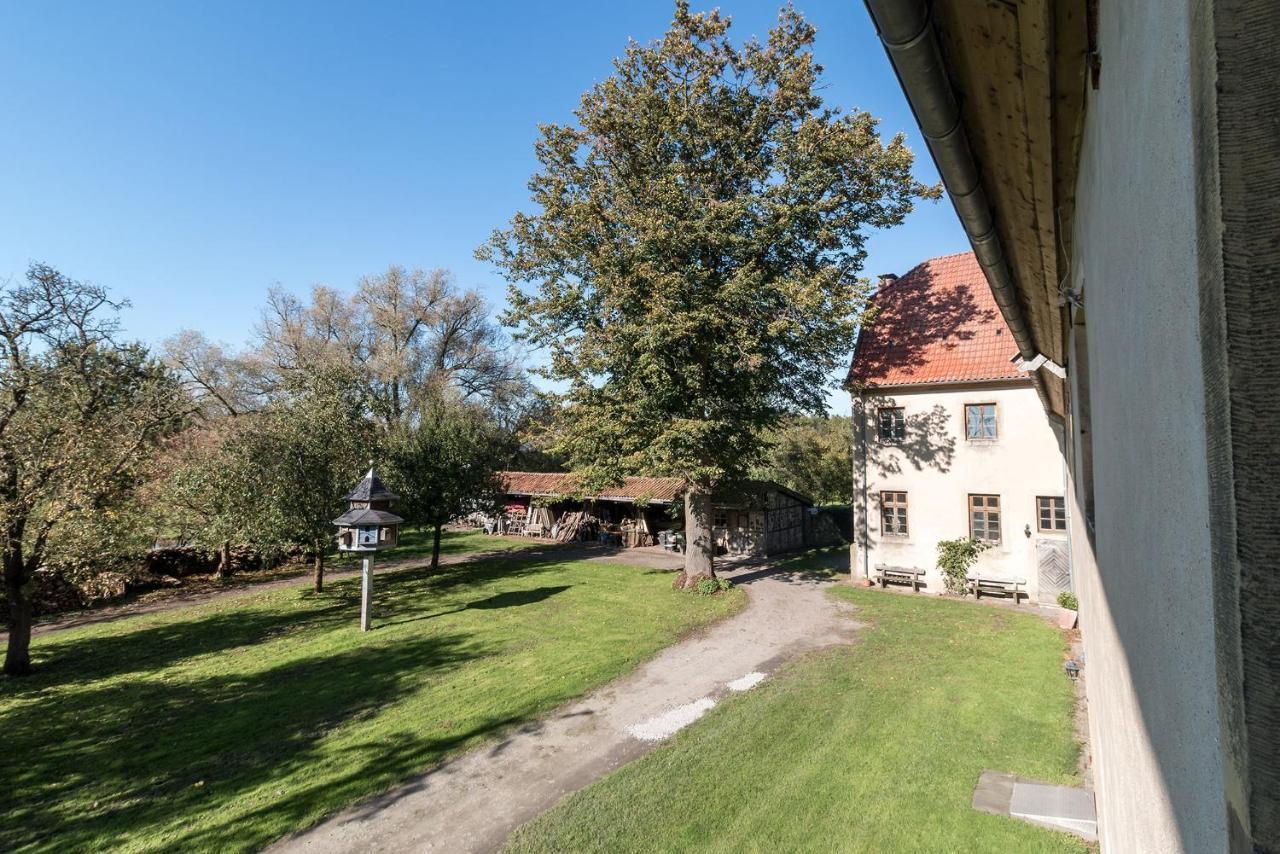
(907, 33)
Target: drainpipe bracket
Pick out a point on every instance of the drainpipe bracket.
(1041, 361)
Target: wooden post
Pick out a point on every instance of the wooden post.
(366, 593)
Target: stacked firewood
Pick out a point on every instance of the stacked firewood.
(577, 525)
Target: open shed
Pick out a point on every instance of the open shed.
(754, 517)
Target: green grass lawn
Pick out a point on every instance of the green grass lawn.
(226, 725)
(874, 747)
(416, 544)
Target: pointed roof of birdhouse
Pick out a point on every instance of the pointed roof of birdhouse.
(370, 489)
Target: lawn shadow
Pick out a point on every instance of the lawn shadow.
(510, 599)
(152, 646)
(156, 748)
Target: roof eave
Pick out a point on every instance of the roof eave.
(932, 49)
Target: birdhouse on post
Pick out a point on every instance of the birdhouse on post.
(368, 526)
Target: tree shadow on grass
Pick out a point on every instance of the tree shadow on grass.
(510, 599)
(149, 750)
(154, 646)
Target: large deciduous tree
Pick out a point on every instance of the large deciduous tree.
(694, 254)
(409, 335)
(79, 414)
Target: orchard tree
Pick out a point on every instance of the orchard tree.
(445, 462)
(298, 459)
(205, 486)
(691, 264)
(79, 417)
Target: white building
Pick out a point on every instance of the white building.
(950, 438)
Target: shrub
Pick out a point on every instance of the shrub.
(710, 586)
(1068, 601)
(955, 559)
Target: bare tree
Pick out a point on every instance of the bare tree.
(220, 382)
(411, 335)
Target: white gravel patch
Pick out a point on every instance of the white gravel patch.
(668, 723)
(746, 683)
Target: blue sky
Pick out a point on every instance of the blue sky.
(189, 155)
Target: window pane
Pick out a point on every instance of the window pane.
(980, 420)
(892, 424)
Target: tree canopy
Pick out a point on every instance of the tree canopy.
(691, 264)
(444, 464)
(79, 414)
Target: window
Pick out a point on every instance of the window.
(893, 514)
(1051, 513)
(980, 421)
(721, 519)
(984, 518)
(893, 424)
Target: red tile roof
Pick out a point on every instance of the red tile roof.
(659, 490)
(937, 324)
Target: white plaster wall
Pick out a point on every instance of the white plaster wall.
(939, 468)
(1146, 608)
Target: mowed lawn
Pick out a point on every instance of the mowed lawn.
(227, 725)
(873, 748)
(415, 544)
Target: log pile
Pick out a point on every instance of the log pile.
(577, 525)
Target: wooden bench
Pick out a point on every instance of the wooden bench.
(899, 575)
(1008, 587)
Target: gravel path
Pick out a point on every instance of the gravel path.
(474, 802)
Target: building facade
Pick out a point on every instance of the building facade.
(1116, 168)
(950, 438)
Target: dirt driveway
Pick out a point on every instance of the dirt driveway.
(474, 802)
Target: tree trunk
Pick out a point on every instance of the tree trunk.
(435, 548)
(319, 577)
(224, 560)
(699, 548)
(17, 586)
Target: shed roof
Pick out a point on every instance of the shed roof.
(939, 323)
(656, 490)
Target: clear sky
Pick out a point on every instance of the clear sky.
(188, 155)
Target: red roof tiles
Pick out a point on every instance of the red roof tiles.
(937, 324)
(661, 490)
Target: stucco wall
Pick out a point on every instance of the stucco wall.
(939, 468)
(1146, 604)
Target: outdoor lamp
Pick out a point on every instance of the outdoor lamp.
(1073, 669)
